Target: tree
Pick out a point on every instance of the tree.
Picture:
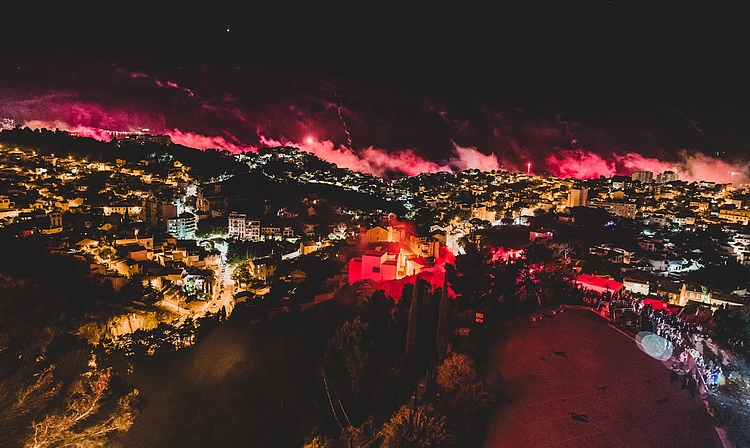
(542, 277)
(443, 330)
(723, 278)
(211, 227)
(318, 441)
(456, 372)
(242, 275)
(458, 380)
(138, 290)
(80, 423)
(418, 427)
(19, 400)
(240, 252)
(473, 275)
(412, 330)
(704, 318)
(347, 355)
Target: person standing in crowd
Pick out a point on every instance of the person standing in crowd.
(692, 385)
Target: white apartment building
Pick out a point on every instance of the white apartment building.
(242, 228)
(183, 226)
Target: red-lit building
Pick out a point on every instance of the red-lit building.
(385, 261)
(599, 285)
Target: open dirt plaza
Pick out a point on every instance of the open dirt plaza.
(571, 380)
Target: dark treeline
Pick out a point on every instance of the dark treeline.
(204, 164)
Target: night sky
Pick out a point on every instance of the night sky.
(576, 89)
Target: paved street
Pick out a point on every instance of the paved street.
(573, 381)
(224, 300)
(198, 309)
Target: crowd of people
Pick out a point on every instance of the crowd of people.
(689, 342)
(690, 364)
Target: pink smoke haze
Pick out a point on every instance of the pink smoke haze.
(160, 83)
(698, 167)
(376, 161)
(369, 160)
(198, 141)
(576, 163)
(636, 162)
(380, 162)
(79, 131)
(579, 164)
(66, 112)
(582, 164)
(174, 85)
(471, 159)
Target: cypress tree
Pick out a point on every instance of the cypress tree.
(442, 327)
(413, 324)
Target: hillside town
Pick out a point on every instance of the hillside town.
(152, 221)
(178, 238)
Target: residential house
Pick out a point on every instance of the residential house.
(262, 268)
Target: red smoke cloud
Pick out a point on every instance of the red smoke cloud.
(61, 111)
(67, 112)
(579, 164)
(471, 159)
(582, 164)
(370, 160)
(198, 141)
(576, 163)
(380, 162)
(636, 162)
(696, 167)
(81, 131)
(376, 161)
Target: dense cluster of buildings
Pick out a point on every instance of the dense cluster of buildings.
(140, 218)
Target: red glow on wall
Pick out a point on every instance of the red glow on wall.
(395, 288)
(435, 276)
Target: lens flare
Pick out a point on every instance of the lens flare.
(654, 345)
